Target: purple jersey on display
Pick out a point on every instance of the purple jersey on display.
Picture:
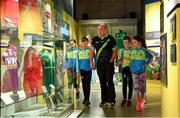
(10, 82)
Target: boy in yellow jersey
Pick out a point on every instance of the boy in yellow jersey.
(124, 58)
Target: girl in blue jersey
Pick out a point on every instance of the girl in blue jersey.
(85, 69)
(70, 63)
(140, 57)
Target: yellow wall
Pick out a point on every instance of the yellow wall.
(152, 20)
(170, 104)
(73, 26)
(178, 54)
(152, 23)
(152, 17)
(170, 96)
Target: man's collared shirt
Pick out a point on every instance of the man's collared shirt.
(107, 52)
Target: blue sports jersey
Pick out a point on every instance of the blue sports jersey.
(84, 59)
(139, 57)
(71, 59)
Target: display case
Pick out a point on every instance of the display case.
(33, 82)
(32, 76)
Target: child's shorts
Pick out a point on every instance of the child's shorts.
(139, 82)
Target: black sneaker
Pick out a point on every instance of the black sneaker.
(129, 103)
(83, 101)
(102, 104)
(69, 100)
(77, 95)
(123, 103)
(87, 103)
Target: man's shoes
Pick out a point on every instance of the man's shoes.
(129, 103)
(123, 103)
(77, 95)
(102, 104)
(111, 104)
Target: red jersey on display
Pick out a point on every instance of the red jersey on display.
(32, 73)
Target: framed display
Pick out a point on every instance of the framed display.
(65, 30)
(173, 27)
(9, 19)
(173, 53)
(163, 62)
(162, 17)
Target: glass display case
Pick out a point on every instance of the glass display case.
(33, 82)
(35, 74)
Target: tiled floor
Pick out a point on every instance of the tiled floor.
(152, 107)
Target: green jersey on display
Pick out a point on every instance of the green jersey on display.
(119, 36)
(48, 65)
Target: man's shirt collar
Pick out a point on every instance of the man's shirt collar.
(103, 37)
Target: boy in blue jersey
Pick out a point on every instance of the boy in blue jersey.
(71, 66)
(124, 58)
(140, 58)
(85, 69)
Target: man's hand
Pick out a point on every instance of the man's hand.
(111, 60)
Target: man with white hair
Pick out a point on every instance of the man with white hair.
(106, 51)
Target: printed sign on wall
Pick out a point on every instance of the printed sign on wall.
(173, 27)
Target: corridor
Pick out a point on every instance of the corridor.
(152, 106)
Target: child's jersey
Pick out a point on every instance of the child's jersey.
(32, 72)
(139, 58)
(48, 65)
(71, 58)
(124, 55)
(10, 82)
(84, 59)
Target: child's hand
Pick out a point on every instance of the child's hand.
(119, 62)
(145, 65)
(78, 74)
(92, 65)
(64, 71)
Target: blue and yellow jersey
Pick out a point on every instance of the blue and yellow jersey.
(71, 58)
(139, 57)
(84, 59)
(124, 55)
